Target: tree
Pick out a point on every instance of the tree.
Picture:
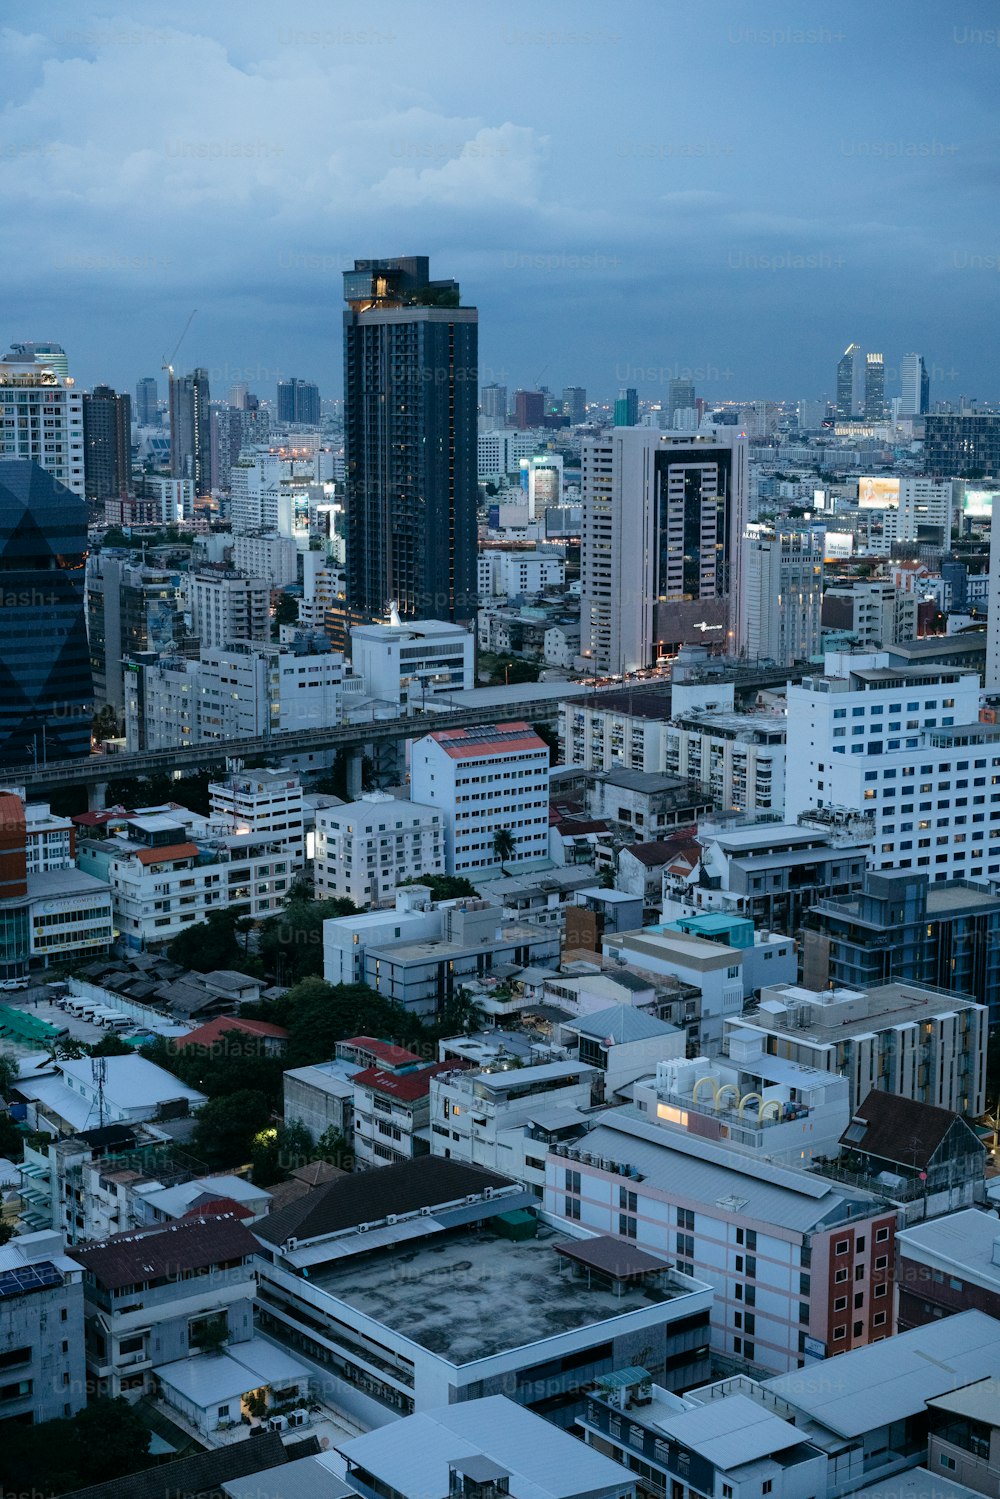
(445, 886)
(9, 1073)
(227, 1126)
(290, 945)
(214, 943)
(546, 732)
(286, 610)
(504, 846)
(335, 1148)
(110, 1046)
(276, 1153)
(105, 725)
(107, 1439)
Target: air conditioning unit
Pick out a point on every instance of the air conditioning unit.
(425, 1212)
(363, 1228)
(487, 1192)
(277, 1423)
(298, 1418)
(289, 1245)
(392, 1218)
(472, 1196)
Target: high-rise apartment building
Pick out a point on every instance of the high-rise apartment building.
(529, 409)
(190, 430)
(914, 386)
(411, 356)
(226, 607)
(130, 608)
(234, 428)
(849, 383)
(663, 515)
(574, 404)
(147, 402)
(875, 407)
(493, 403)
(782, 595)
(298, 403)
(965, 445)
(46, 696)
(107, 444)
(627, 408)
(41, 414)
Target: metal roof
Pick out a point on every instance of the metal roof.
(963, 1241)
(731, 1432)
(889, 1381)
(621, 1023)
(611, 1256)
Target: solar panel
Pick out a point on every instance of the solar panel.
(27, 1278)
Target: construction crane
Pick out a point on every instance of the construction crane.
(168, 364)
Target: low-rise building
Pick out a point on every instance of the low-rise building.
(714, 968)
(161, 1293)
(42, 1373)
(366, 848)
(908, 1039)
(66, 1096)
(346, 939)
(623, 1043)
(531, 1310)
(739, 758)
(768, 957)
(647, 805)
(800, 1266)
(875, 614)
(413, 662)
(392, 1111)
(930, 1160)
(946, 1266)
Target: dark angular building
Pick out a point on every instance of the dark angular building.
(962, 446)
(298, 403)
(107, 444)
(410, 405)
(46, 695)
(190, 430)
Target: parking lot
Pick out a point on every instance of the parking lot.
(37, 1001)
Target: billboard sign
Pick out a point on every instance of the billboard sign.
(878, 494)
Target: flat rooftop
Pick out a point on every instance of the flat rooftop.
(472, 1295)
(959, 1241)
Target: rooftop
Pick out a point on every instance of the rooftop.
(729, 1433)
(898, 1129)
(413, 1455)
(166, 1251)
(891, 1380)
(620, 1023)
(211, 1379)
(492, 739)
(978, 1402)
(966, 1240)
(471, 1295)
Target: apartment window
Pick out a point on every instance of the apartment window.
(859, 1328)
(839, 1333)
(881, 1235)
(628, 1227)
(766, 1486)
(879, 1319)
(571, 1207)
(627, 1200)
(841, 1246)
(840, 1305)
(841, 1275)
(881, 1262)
(572, 1181)
(685, 1218)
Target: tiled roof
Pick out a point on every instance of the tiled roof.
(392, 1056)
(164, 1251)
(172, 851)
(368, 1196)
(498, 739)
(203, 1474)
(406, 1086)
(213, 1030)
(900, 1130)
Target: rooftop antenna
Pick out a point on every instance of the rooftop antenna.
(99, 1070)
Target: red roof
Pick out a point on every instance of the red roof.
(406, 1086)
(500, 739)
(170, 852)
(221, 1205)
(393, 1056)
(214, 1030)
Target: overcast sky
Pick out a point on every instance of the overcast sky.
(627, 191)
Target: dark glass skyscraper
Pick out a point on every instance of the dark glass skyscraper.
(46, 696)
(190, 430)
(875, 408)
(627, 408)
(298, 403)
(848, 383)
(147, 395)
(410, 400)
(107, 444)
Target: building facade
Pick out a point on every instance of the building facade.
(41, 416)
(368, 847)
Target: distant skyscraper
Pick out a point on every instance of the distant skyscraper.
(234, 429)
(663, 517)
(849, 384)
(493, 403)
(914, 386)
(680, 397)
(107, 444)
(962, 447)
(190, 430)
(238, 394)
(298, 403)
(781, 596)
(574, 404)
(147, 397)
(875, 408)
(529, 409)
(41, 414)
(46, 696)
(627, 408)
(411, 359)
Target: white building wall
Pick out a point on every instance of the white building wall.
(367, 848)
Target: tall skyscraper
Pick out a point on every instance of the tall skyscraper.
(663, 516)
(46, 696)
(627, 408)
(781, 595)
(298, 403)
(232, 430)
(107, 444)
(875, 407)
(147, 397)
(962, 446)
(41, 414)
(574, 404)
(239, 393)
(190, 430)
(529, 409)
(914, 386)
(680, 397)
(493, 403)
(848, 404)
(411, 359)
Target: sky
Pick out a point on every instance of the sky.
(730, 192)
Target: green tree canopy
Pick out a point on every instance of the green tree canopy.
(226, 1128)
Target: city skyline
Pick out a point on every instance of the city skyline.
(240, 170)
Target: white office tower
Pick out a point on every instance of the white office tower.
(905, 748)
(41, 414)
(485, 780)
(992, 682)
(366, 848)
(782, 595)
(663, 515)
(226, 607)
(914, 385)
(275, 558)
